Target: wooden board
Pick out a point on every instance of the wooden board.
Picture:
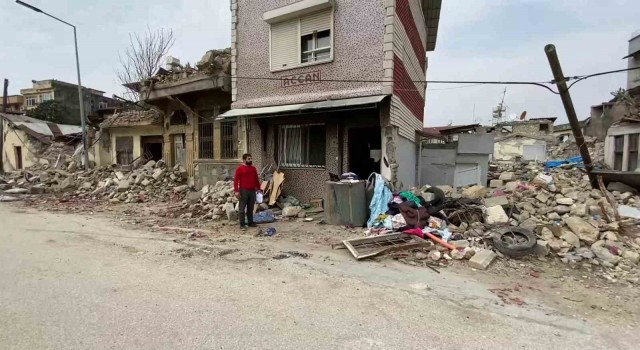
(276, 188)
(362, 248)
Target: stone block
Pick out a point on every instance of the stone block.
(482, 259)
(495, 215)
(620, 187)
(496, 183)
(584, 230)
(476, 191)
(507, 176)
(564, 201)
(123, 186)
(542, 248)
(493, 201)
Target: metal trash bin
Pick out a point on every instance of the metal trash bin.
(345, 203)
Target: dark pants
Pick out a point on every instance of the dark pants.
(248, 201)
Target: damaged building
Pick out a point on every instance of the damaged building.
(28, 141)
(331, 86)
(181, 127)
(523, 139)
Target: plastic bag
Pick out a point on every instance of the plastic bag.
(259, 197)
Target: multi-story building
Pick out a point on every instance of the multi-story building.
(67, 95)
(14, 103)
(330, 86)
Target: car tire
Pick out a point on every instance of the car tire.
(515, 242)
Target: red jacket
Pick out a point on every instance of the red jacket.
(246, 178)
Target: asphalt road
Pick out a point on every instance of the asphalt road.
(75, 282)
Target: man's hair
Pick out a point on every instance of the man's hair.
(245, 156)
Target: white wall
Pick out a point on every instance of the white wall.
(30, 152)
(406, 156)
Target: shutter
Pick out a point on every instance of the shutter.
(315, 22)
(284, 44)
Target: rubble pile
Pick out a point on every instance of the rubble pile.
(570, 149)
(151, 182)
(569, 219)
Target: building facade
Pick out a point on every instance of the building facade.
(330, 86)
(15, 103)
(67, 95)
(26, 141)
(181, 128)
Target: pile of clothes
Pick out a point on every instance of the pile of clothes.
(405, 211)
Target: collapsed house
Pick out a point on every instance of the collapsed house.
(523, 139)
(180, 128)
(29, 141)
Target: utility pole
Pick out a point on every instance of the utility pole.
(5, 100)
(85, 152)
(561, 83)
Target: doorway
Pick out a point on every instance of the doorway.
(365, 150)
(179, 150)
(17, 150)
(152, 147)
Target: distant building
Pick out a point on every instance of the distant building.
(633, 77)
(14, 103)
(523, 139)
(67, 95)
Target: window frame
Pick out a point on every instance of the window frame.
(282, 145)
(301, 64)
(34, 101)
(120, 151)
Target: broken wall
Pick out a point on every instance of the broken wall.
(509, 149)
(31, 149)
(136, 132)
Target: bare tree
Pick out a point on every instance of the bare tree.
(142, 59)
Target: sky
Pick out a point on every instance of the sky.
(477, 40)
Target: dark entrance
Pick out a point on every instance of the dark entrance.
(364, 151)
(152, 147)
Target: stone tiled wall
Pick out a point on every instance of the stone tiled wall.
(208, 173)
(358, 55)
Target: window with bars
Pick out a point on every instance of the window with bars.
(124, 150)
(302, 145)
(618, 152)
(205, 134)
(229, 140)
(633, 151)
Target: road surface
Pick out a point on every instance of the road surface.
(80, 282)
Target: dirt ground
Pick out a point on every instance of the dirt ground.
(531, 283)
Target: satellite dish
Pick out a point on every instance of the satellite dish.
(523, 115)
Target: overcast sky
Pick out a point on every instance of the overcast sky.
(477, 40)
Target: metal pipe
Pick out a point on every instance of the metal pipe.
(5, 101)
(558, 77)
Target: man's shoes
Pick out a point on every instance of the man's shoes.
(243, 227)
(253, 224)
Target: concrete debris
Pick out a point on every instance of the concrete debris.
(495, 215)
(482, 259)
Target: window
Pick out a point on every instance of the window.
(178, 117)
(302, 145)
(205, 134)
(124, 150)
(544, 127)
(31, 102)
(316, 46)
(229, 139)
(302, 40)
(618, 152)
(103, 105)
(633, 151)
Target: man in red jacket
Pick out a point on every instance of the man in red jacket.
(245, 185)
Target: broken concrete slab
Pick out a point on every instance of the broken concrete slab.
(495, 215)
(476, 191)
(482, 259)
(5, 198)
(157, 173)
(542, 248)
(493, 201)
(584, 230)
(507, 176)
(542, 197)
(561, 209)
(626, 211)
(123, 186)
(564, 201)
(16, 191)
(578, 210)
(571, 238)
(496, 183)
(180, 188)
